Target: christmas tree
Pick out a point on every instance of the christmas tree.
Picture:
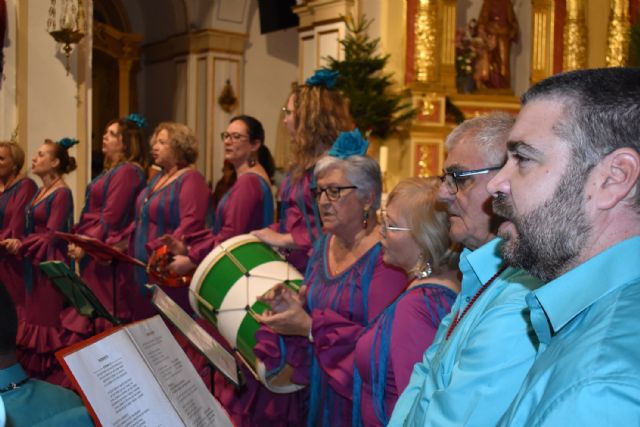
(375, 107)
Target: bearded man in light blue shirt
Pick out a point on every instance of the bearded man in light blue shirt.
(483, 349)
(570, 190)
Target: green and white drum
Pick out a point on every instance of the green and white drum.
(224, 290)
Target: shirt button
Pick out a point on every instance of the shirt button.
(467, 299)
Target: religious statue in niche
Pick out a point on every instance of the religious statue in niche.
(497, 28)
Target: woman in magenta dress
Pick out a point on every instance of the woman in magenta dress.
(415, 235)
(246, 206)
(347, 285)
(314, 116)
(107, 215)
(175, 202)
(40, 333)
(16, 191)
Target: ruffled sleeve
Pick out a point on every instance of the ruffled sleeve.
(42, 245)
(269, 350)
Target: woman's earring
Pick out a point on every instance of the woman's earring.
(365, 219)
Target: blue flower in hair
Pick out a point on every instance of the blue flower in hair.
(349, 144)
(68, 142)
(323, 77)
(136, 119)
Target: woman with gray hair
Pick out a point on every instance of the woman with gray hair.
(346, 285)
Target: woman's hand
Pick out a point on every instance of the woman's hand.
(11, 245)
(176, 247)
(292, 320)
(75, 252)
(273, 238)
(181, 265)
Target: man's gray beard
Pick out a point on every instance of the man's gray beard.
(553, 235)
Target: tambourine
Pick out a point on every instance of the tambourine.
(158, 269)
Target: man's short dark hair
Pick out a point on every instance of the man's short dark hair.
(8, 322)
(602, 110)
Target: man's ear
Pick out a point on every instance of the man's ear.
(615, 178)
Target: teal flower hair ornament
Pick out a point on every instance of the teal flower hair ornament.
(68, 142)
(323, 77)
(136, 119)
(349, 144)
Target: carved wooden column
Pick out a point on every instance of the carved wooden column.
(575, 36)
(427, 58)
(542, 40)
(618, 34)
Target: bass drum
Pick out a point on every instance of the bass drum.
(224, 289)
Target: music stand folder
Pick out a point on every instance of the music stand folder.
(217, 356)
(98, 250)
(78, 294)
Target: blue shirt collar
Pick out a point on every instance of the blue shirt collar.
(12, 375)
(565, 297)
(486, 260)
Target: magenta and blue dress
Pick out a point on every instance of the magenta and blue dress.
(13, 202)
(389, 347)
(348, 301)
(246, 206)
(40, 333)
(179, 209)
(107, 214)
(299, 216)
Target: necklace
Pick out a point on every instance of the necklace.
(162, 182)
(459, 316)
(10, 182)
(44, 191)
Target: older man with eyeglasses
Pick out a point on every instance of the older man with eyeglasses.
(483, 348)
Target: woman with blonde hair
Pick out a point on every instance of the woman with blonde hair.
(16, 191)
(415, 236)
(315, 115)
(175, 202)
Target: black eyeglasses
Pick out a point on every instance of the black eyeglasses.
(234, 136)
(333, 193)
(452, 180)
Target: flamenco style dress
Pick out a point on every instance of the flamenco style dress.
(40, 333)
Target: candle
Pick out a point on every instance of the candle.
(384, 158)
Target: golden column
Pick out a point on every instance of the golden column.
(426, 51)
(618, 34)
(575, 37)
(542, 39)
